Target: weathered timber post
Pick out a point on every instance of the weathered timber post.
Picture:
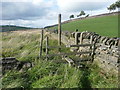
(93, 51)
(119, 63)
(81, 37)
(41, 42)
(81, 40)
(47, 43)
(119, 52)
(91, 42)
(59, 29)
(91, 39)
(76, 39)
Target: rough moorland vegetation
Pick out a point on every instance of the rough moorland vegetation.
(54, 73)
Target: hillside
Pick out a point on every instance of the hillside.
(105, 24)
(5, 28)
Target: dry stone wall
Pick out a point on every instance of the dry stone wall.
(99, 39)
(10, 63)
(106, 53)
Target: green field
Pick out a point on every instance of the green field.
(105, 26)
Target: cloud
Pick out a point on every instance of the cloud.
(38, 23)
(21, 0)
(25, 10)
(40, 13)
(77, 5)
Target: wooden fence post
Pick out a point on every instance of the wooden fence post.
(47, 43)
(119, 53)
(93, 51)
(81, 39)
(119, 62)
(41, 42)
(91, 42)
(59, 29)
(76, 39)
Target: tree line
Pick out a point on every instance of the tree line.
(112, 7)
(82, 13)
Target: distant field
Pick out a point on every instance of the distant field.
(5, 28)
(106, 25)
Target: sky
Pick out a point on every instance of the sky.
(41, 13)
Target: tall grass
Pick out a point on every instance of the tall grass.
(48, 74)
(20, 45)
(53, 73)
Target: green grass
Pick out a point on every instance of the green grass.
(48, 74)
(106, 25)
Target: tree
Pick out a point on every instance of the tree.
(117, 4)
(87, 16)
(112, 7)
(71, 16)
(81, 13)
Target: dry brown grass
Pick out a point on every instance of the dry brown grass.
(19, 44)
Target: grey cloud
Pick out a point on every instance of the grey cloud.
(22, 10)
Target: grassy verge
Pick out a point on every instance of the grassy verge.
(53, 75)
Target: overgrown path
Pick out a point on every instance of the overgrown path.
(85, 71)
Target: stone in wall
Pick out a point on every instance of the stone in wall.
(98, 38)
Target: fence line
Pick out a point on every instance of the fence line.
(41, 43)
(78, 46)
(91, 51)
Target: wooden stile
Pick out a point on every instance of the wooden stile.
(81, 45)
(69, 60)
(72, 53)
